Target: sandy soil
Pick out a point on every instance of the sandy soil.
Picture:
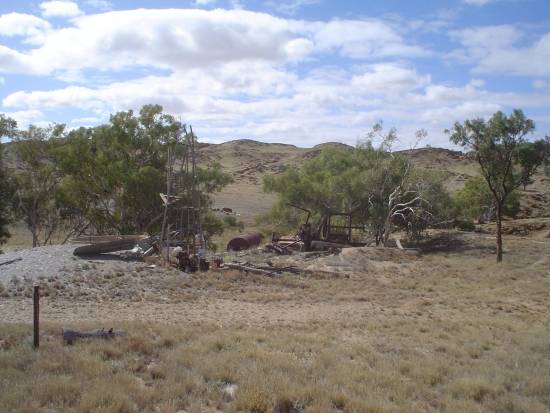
(350, 287)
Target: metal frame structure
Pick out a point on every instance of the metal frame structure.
(181, 223)
(327, 231)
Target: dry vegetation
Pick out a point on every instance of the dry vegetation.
(444, 331)
(248, 161)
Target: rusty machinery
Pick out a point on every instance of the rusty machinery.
(333, 229)
(181, 224)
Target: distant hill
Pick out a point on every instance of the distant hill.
(248, 161)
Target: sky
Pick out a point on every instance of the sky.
(300, 72)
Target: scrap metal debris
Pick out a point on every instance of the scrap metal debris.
(333, 230)
(244, 242)
(103, 244)
(71, 335)
(268, 270)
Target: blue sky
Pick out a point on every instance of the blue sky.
(293, 71)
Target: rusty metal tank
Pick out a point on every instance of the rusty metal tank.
(244, 242)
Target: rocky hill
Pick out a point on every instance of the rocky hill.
(248, 161)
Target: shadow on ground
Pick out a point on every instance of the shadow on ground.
(446, 243)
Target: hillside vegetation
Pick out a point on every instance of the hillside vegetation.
(248, 161)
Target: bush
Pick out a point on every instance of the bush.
(475, 201)
(464, 225)
(230, 222)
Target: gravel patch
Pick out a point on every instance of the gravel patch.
(34, 263)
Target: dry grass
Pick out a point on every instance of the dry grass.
(171, 368)
(450, 332)
(21, 238)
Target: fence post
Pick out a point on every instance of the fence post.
(36, 318)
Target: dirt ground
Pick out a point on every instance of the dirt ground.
(445, 329)
(348, 287)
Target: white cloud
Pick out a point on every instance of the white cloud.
(169, 39)
(26, 117)
(494, 49)
(237, 73)
(465, 110)
(232, 79)
(25, 25)
(13, 61)
(446, 95)
(389, 78)
(236, 4)
(542, 85)
(87, 121)
(180, 38)
(440, 104)
(257, 100)
(60, 8)
(298, 49)
(480, 39)
(363, 39)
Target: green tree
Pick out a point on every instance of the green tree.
(506, 158)
(113, 173)
(476, 202)
(8, 127)
(381, 187)
(399, 195)
(325, 183)
(105, 179)
(37, 179)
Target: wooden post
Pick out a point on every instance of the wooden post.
(36, 302)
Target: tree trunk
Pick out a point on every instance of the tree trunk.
(387, 231)
(377, 237)
(499, 232)
(34, 223)
(34, 230)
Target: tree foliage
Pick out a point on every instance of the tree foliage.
(106, 179)
(37, 180)
(7, 129)
(113, 173)
(382, 188)
(476, 202)
(325, 183)
(507, 160)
